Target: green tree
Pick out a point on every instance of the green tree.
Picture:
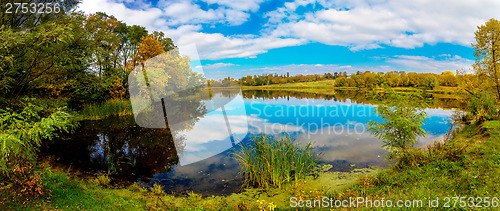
(22, 132)
(21, 21)
(431, 82)
(341, 82)
(402, 118)
(35, 55)
(104, 42)
(487, 48)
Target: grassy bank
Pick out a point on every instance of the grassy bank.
(466, 166)
(61, 191)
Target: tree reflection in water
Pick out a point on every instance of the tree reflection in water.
(131, 153)
(354, 96)
(128, 152)
(116, 146)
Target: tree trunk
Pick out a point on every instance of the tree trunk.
(495, 74)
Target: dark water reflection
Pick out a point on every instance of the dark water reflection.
(131, 153)
(116, 145)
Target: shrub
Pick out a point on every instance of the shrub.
(483, 107)
(272, 161)
(157, 189)
(340, 82)
(22, 133)
(431, 82)
(102, 180)
(403, 116)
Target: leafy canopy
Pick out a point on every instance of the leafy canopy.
(22, 132)
(487, 52)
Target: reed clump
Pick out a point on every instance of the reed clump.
(274, 161)
(113, 107)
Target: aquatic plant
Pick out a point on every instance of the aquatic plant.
(113, 107)
(273, 161)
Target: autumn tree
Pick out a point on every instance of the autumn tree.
(105, 42)
(447, 78)
(487, 49)
(149, 47)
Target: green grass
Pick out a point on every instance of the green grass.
(274, 161)
(466, 166)
(113, 107)
(63, 192)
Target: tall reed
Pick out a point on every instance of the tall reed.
(113, 107)
(273, 161)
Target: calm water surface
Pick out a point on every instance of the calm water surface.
(198, 158)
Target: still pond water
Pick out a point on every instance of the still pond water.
(198, 158)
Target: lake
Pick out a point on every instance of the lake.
(197, 154)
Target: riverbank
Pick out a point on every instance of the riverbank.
(466, 166)
(62, 190)
(328, 87)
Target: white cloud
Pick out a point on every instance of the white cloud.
(186, 12)
(359, 24)
(217, 65)
(406, 24)
(242, 5)
(427, 64)
(144, 16)
(217, 46)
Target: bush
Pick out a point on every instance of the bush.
(403, 116)
(157, 189)
(271, 161)
(102, 180)
(341, 82)
(21, 133)
(89, 89)
(483, 107)
(431, 82)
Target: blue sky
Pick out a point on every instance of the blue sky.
(247, 37)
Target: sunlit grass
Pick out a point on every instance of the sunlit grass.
(113, 107)
(273, 161)
(466, 166)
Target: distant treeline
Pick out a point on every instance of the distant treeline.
(359, 79)
(353, 96)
